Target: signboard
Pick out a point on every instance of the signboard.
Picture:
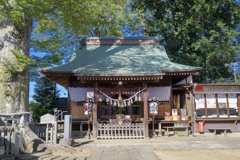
(87, 108)
(200, 101)
(47, 118)
(217, 89)
(153, 108)
(174, 112)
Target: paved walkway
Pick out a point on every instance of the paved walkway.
(142, 149)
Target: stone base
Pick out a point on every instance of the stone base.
(68, 142)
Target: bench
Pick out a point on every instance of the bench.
(177, 127)
(219, 129)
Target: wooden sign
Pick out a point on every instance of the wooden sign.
(47, 118)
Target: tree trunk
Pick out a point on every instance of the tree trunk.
(14, 84)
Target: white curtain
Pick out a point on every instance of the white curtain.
(78, 94)
(161, 93)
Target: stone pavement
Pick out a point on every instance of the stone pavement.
(142, 149)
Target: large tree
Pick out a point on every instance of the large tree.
(45, 96)
(199, 32)
(53, 22)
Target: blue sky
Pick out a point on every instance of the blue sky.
(63, 91)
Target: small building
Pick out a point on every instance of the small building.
(216, 106)
(121, 77)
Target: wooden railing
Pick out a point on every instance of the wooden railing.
(120, 131)
(46, 132)
(39, 130)
(9, 142)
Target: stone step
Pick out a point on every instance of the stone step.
(47, 156)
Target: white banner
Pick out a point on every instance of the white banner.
(161, 93)
(199, 100)
(78, 94)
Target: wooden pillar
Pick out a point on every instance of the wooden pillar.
(69, 102)
(193, 111)
(217, 107)
(205, 105)
(228, 111)
(95, 112)
(238, 104)
(171, 103)
(145, 113)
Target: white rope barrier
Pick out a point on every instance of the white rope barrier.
(122, 103)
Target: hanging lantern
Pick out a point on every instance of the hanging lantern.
(115, 103)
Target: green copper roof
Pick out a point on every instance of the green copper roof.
(119, 60)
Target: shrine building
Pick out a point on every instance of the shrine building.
(134, 90)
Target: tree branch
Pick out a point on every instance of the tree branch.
(58, 5)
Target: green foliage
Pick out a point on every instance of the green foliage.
(16, 64)
(37, 111)
(45, 96)
(58, 25)
(198, 33)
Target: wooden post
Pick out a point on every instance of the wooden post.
(16, 146)
(51, 135)
(228, 111)
(55, 132)
(205, 105)
(193, 116)
(7, 142)
(217, 106)
(153, 130)
(89, 134)
(81, 129)
(145, 112)
(95, 112)
(47, 133)
(13, 142)
(238, 104)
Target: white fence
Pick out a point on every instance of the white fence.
(120, 131)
